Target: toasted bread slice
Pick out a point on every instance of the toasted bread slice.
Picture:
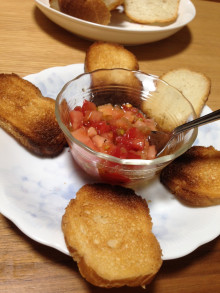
(109, 55)
(195, 86)
(162, 108)
(103, 55)
(194, 177)
(108, 231)
(29, 117)
(148, 11)
(90, 10)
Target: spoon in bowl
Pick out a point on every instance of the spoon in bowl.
(162, 140)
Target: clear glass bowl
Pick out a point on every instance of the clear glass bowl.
(157, 99)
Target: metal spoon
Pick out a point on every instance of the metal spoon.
(162, 139)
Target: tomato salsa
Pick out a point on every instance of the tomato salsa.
(120, 131)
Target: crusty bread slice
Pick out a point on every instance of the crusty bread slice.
(90, 10)
(152, 11)
(108, 231)
(194, 177)
(112, 4)
(29, 117)
(109, 55)
(195, 86)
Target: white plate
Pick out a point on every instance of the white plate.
(34, 191)
(121, 30)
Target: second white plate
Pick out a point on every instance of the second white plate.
(121, 30)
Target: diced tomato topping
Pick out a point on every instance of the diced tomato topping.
(120, 131)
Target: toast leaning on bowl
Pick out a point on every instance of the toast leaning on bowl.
(29, 117)
(195, 86)
(108, 232)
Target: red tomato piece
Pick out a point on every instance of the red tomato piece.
(88, 106)
(102, 127)
(91, 131)
(108, 147)
(136, 144)
(93, 116)
(117, 113)
(120, 152)
(106, 109)
(151, 154)
(98, 141)
(76, 119)
(130, 116)
(82, 136)
(78, 108)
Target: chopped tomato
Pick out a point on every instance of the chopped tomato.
(120, 131)
(76, 118)
(88, 106)
(102, 127)
(98, 140)
(91, 131)
(81, 135)
(78, 108)
(107, 109)
(151, 154)
(92, 116)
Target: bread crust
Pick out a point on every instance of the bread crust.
(29, 117)
(89, 10)
(194, 177)
(108, 231)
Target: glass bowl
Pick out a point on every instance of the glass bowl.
(154, 97)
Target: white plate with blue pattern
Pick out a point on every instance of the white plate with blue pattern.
(35, 191)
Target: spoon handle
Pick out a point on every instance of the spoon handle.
(197, 122)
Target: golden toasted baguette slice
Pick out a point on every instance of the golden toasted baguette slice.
(195, 86)
(109, 55)
(29, 117)
(90, 10)
(108, 231)
(194, 177)
(148, 11)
